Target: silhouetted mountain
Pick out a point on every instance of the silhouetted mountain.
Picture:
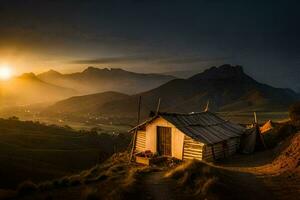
(224, 72)
(226, 88)
(94, 80)
(182, 73)
(29, 89)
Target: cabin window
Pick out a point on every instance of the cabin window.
(164, 138)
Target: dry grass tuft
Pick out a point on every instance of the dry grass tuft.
(91, 194)
(202, 180)
(27, 187)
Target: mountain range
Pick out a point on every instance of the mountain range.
(53, 86)
(29, 89)
(226, 88)
(94, 80)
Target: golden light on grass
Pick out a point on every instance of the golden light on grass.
(5, 72)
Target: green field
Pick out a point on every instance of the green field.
(30, 150)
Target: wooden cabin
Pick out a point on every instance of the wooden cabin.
(201, 136)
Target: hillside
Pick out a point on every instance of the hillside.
(37, 152)
(84, 104)
(227, 88)
(28, 89)
(95, 80)
(250, 177)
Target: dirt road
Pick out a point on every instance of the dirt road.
(243, 170)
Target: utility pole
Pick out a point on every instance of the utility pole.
(136, 130)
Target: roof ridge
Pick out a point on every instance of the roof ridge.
(188, 114)
(208, 125)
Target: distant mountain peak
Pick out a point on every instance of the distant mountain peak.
(91, 69)
(30, 76)
(52, 71)
(96, 69)
(225, 71)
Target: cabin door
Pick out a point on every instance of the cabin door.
(164, 138)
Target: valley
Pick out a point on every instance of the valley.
(72, 146)
(229, 91)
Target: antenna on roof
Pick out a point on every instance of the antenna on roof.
(207, 106)
(255, 118)
(136, 130)
(158, 106)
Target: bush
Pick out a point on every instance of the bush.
(280, 133)
(75, 180)
(202, 180)
(27, 187)
(47, 185)
(294, 112)
(91, 194)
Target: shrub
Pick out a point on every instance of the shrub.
(64, 181)
(208, 185)
(27, 187)
(280, 133)
(75, 180)
(47, 185)
(294, 112)
(202, 180)
(91, 194)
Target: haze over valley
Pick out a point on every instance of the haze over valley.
(110, 95)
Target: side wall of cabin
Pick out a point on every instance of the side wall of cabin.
(140, 144)
(192, 149)
(221, 150)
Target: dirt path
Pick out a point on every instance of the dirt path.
(281, 186)
(154, 186)
(242, 170)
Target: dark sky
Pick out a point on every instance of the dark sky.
(154, 36)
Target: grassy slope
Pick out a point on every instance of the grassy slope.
(113, 179)
(38, 152)
(237, 178)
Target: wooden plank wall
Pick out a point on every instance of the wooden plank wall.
(192, 149)
(221, 150)
(140, 141)
(233, 145)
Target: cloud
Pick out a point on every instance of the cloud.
(112, 60)
(152, 59)
(191, 60)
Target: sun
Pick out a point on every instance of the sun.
(5, 72)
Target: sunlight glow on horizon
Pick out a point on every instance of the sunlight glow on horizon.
(5, 72)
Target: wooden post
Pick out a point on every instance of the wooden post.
(255, 118)
(207, 106)
(158, 106)
(136, 130)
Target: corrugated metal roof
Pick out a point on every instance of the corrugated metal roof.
(205, 127)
